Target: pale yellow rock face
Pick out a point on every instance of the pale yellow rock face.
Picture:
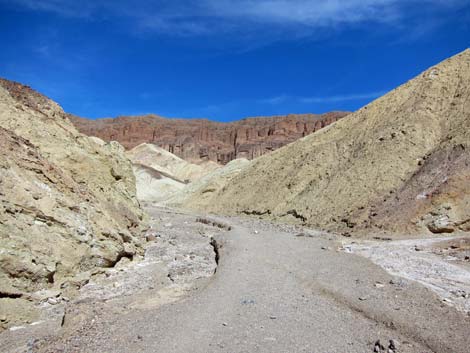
(153, 185)
(67, 201)
(161, 160)
(199, 193)
(160, 174)
(363, 171)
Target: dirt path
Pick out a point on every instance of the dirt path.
(276, 291)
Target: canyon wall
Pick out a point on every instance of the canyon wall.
(399, 165)
(201, 139)
(67, 204)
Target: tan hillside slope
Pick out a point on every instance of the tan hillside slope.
(160, 174)
(200, 192)
(154, 185)
(400, 163)
(67, 203)
(159, 159)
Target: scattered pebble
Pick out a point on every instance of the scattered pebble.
(247, 301)
(378, 347)
(150, 237)
(52, 301)
(399, 282)
(392, 346)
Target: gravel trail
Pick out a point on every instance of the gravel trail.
(276, 290)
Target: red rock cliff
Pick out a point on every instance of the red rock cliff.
(195, 139)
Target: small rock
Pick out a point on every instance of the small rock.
(392, 346)
(378, 347)
(272, 317)
(441, 225)
(363, 298)
(256, 232)
(168, 225)
(139, 337)
(247, 301)
(52, 301)
(400, 282)
(150, 237)
(224, 324)
(379, 285)
(45, 294)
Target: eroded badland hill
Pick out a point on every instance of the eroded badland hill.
(67, 203)
(84, 269)
(399, 164)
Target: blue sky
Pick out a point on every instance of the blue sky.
(224, 59)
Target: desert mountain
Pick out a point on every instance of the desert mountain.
(400, 164)
(198, 193)
(168, 163)
(67, 203)
(199, 139)
(160, 173)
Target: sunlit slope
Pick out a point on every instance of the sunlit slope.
(346, 175)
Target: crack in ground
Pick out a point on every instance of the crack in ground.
(216, 248)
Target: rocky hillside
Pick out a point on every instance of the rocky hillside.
(159, 159)
(67, 203)
(400, 164)
(200, 192)
(198, 139)
(159, 173)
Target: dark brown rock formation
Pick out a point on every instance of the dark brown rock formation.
(195, 139)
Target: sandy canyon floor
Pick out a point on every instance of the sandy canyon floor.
(227, 284)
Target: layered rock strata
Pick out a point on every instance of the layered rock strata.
(67, 203)
(200, 139)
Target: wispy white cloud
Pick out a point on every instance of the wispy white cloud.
(306, 12)
(202, 17)
(274, 100)
(283, 98)
(341, 98)
(63, 8)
